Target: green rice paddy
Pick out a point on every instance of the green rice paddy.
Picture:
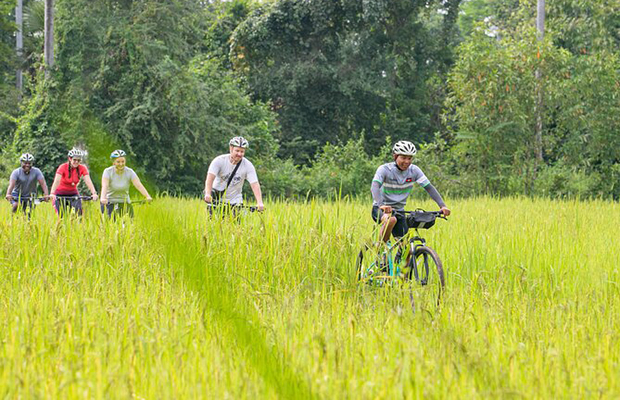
(173, 305)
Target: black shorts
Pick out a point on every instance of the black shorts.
(400, 229)
(63, 204)
(114, 210)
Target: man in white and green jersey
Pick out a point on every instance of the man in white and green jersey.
(391, 187)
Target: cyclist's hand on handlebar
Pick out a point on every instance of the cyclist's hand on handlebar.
(104, 200)
(446, 211)
(149, 199)
(208, 198)
(260, 207)
(9, 197)
(386, 209)
(95, 197)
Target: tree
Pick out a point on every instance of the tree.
(335, 69)
(490, 108)
(129, 74)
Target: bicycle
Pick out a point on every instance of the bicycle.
(222, 209)
(28, 204)
(74, 203)
(114, 210)
(408, 258)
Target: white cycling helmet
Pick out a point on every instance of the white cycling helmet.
(75, 153)
(26, 157)
(238, 141)
(118, 153)
(404, 148)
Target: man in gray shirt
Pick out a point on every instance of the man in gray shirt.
(227, 173)
(391, 186)
(23, 184)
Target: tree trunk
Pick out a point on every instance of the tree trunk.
(19, 45)
(540, 27)
(49, 36)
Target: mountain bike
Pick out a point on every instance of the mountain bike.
(114, 210)
(73, 203)
(28, 204)
(405, 259)
(223, 210)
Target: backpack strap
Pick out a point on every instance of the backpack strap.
(233, 173)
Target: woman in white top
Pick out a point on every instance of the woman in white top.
(115, 183)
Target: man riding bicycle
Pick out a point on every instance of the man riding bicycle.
(23, 184)
(226, 175)
(391, 186)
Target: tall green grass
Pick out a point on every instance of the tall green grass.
(174, 305)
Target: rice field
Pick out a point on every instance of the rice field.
(172, 305)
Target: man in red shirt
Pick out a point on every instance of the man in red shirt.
(64, 193)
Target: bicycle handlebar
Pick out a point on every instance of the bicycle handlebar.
(237, 206)
(438, 214)
(85, 198)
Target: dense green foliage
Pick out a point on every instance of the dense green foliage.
(334, 69)
(493, 112)
(321, 88)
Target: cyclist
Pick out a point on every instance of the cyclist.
(227, 173)
(65, 194)
(391, 187)
(23, 185)
(115, 183)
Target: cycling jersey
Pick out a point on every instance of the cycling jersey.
(396, 185)
(69, 179)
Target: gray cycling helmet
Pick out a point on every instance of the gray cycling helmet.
(75, 153)
(238, 141)
(118, 153)
(26, 157)
(404, 148)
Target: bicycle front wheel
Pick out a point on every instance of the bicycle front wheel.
(426, 269)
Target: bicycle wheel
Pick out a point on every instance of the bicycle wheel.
(371, 264)
(425, 269)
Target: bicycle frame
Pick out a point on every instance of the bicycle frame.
(386, 259)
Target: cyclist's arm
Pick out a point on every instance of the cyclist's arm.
(375, 189)
(55, 184)
(430, 189)
(209, 186)
(105, 182)
(9, 190)
(136, 182)
(258, 195)
(43, 185)
(91, 187)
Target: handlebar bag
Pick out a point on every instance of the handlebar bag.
(421, 219)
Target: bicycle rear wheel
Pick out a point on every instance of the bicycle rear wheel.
(426, 269)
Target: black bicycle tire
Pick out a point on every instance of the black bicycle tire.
(420, 250)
